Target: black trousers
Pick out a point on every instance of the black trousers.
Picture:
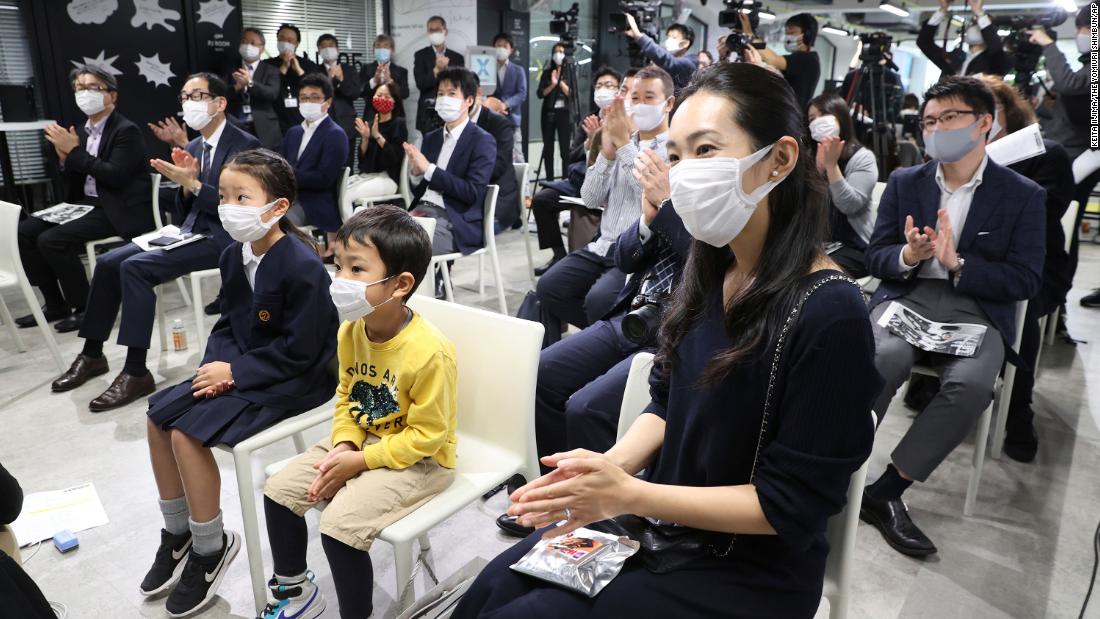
(556, 122)
(578, 290)
(850, 259)
(51, 256)
(545, 207)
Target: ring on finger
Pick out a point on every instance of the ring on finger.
(568, 514)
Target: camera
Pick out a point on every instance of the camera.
(875, 47)
(730, 17)
(644, 12)
(643, 322)
(564, 25)
(1025, 54)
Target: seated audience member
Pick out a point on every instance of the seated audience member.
(984, 47)
(504, 175)
(317, 150)
(103, 163)
(383, 70)
(852, 172)
(381, 150)
(255, 90)
(266, 361)
(388, 453)
(451, 171)
(127, 277)
(291, 68)
(758, 523)
(428, 63)
(705, 59)
(801, 65)
(673, 55)
(582, 287)
(345, 87)
(511, 93)
(557, 124)
(546, 203)
(959, 239)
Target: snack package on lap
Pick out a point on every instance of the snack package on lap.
(583, 561)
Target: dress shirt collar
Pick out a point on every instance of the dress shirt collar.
(457, 131)
(215, 137)
(972, 183)
(97, 128)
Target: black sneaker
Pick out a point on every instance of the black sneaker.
(201, 577)
(168, 565)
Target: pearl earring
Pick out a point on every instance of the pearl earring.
(775, 172)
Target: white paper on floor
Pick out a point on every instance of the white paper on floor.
(46, 514)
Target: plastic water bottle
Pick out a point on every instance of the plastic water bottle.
(179, 336)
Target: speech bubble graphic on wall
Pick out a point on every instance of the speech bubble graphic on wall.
(91, 11)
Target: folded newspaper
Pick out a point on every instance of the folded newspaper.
(63, 213)
(960, 340)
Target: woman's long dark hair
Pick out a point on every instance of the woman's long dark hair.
(276, 176)
(766, 109)
(831, 103)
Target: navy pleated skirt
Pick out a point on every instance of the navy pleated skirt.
(225, 420)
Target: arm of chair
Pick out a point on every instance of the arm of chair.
(301, 423)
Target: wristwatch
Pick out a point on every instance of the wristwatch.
(957, 271)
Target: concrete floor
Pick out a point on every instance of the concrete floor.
(1025, 554)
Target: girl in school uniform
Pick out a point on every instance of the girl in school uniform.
(267, 359)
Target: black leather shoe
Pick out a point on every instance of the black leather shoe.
(892, 520)
(83, 368)
(72, 323)
(51, 315)
(1022, 446)
(539, 271)
(214, 307)
(1091, 299)
(125, 389)
(510, 527)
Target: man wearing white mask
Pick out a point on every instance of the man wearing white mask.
(673, 55)
(255, 89)
(511, 93)
(984, 48)
(345, 87)
(127, 277)
(383, 70)
(428, 63)
(103, 165)
(800, 66)
(317, 149)
(291, 68)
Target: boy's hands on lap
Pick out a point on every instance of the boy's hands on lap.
(342, 463)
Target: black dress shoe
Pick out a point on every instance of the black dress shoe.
(511, 527)
(1022, 446)
(51, 315)
(1091, 299)
(125, 389)
(72, 323)
(214, 307)
(539, 271)
(891, 518)
(83, 368)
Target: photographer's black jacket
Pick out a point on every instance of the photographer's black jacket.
(992, 60)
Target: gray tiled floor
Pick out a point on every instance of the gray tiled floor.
(1025, 554)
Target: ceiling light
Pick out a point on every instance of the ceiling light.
(765, 15)
(830, 29)
(893, 9)
(1069, 5)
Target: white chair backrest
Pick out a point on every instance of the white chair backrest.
(428, 223)
(636, 394)
(425, 288)
(498, 411)
(9, 240)
(876, 195)
(341, 192)
(156, 200)
(491, 193)
(521, 183)
(403, 184)
(1068, 220)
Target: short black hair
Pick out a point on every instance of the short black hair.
(654, 72)
(459, 76)
(402, 243)
(808, 24)
(215, 85)
(606, 70)
(317, 80)
(292, 28)
(631, 72)
(1084, 18)
(709, 55)
(328, 37)
(438, 18)
(507, 38)
(97, 72)
(686, 32)
(970, 90)
(257, 31)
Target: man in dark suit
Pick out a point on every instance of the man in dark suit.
(317, 150)
(255, 89)
(103, 163)
(291, 68)
(958, 240)
(383, 70)
(985, 49)
(511, 93)
(504, 175)
(345, 86)
(427, 64)
(452, 169)
(127, 277)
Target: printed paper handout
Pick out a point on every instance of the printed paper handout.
(960, 340)
(46, 514)
(63, 213)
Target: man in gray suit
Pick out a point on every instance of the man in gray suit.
(255, 87)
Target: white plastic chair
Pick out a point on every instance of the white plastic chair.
(427, 287)
(636, 393)
(342, 191)
(490, 249)
(404, 193)
(496, 427)
(1048, 324)
(521, 170)
(12, 274)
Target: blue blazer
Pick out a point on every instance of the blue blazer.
(1003, 239)
(232, 141)
(280, 338)
(318, 170)
(513, 91)
(631, 256)
(463, 183)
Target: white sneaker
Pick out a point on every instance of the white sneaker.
(300, 600)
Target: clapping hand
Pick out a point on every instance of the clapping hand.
(240, 79)
(590, 124)
(945, 242)
(920, 246)
(170, 131)
(616, 131)
(828, 152)
(418, 163)
(336, 73)
(652, 173)
(63, 140)
(441, 62)
(184, 169)
(363, 128)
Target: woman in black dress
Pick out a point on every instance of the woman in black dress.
(759, 488)
(554, 90)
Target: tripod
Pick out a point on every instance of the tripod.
(567, 73)
(882, 127)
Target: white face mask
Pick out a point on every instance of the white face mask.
(243, 223)
(604, 97)
(448, 108)
(1084, 43)
(792, 42)
(90, 102)
(558, 58)
(286, 46)
(503, 53)
(709, 197)
(195, 114)
(824, 127)
(974, 36)
(311, 111)
(350, 298)
(329, 54)
(672, 45)
(437, 38)
(249, 52)
(648, 116)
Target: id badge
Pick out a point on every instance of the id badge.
(290, 102)
(246, 109)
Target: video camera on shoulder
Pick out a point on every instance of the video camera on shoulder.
(730, 17)
(645, 15)
(1025, 54)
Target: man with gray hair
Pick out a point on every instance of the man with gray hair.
(105, 166)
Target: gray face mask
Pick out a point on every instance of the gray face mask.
(950, 145)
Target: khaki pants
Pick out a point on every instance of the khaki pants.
(368, 503)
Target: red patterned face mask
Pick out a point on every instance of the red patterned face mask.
(382, 105)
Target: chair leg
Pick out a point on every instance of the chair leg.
(43, 326)
(200, 326)
(1042, 343)
(425, 543)
(183, 291)
(498, 280)
(448, 289)
(242, 462)
(980, 440)
(1001, 402)
(1052, 325)
(162, 321)
(5, 315)
(481, 275)
(403, 567)
(527, 245)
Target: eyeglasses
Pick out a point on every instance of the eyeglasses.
(195, 95)
(928, 123)
(311, 98)
(607, 84)
(90, 88)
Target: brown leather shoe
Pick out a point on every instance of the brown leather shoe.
(83, 368)
(125, 389)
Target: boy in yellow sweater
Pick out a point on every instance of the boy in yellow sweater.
(392, 446)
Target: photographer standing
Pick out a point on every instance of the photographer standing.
(985, 50)
(801, 67)
(674, 56)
